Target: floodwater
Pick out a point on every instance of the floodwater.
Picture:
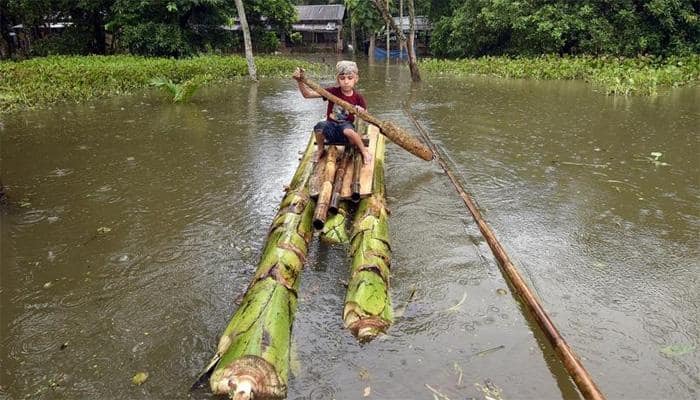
(132, 225)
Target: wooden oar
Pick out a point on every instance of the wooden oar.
(389, 129)
(571, 362)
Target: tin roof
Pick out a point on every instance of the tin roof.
(422, 23)
(332, 12)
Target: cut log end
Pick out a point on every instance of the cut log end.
(319, 223)
(367, 329)
(247, 378)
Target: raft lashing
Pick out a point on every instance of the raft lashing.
(252, 357)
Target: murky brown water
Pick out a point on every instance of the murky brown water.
(608, 240)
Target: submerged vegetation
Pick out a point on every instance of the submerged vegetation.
(615, 75)
(40, 82)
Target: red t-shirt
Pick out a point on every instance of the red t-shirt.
(337, 113)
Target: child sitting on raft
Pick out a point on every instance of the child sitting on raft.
(338, 127)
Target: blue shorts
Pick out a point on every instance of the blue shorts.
(333, 131)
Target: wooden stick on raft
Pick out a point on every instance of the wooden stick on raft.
(343, 164)
(356, 168)
(389, 129)
(573, 365)
(324, 196)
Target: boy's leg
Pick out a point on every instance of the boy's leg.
(320, 141)
(355, 139)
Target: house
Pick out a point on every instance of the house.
(321, 26)
(421, 44)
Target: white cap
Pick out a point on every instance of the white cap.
(345, 67)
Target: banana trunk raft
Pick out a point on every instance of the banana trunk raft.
(252, 357)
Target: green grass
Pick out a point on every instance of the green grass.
(40, 82)
(614, 75)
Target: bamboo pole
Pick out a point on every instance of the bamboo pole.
(355, 185)
(252, 358)
(571, 362)
(343, 165)
(324, 196)
(394, 132)
(367, 311)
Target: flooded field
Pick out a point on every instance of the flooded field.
(132, 225)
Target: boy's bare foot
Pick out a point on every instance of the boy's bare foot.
(366, 158)
(317, 155)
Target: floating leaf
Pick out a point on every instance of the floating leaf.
(139, 378)
(103, 230)
(677, 349)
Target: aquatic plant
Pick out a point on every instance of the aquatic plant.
(180, 92)
(40, 82)
(615, 75)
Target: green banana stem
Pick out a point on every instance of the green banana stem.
(335, 230)
(254, 347)
(368, 312)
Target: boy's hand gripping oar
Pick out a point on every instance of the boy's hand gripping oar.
(394, 132)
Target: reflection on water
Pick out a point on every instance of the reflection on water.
(134, 224)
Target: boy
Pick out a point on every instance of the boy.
(338, 127)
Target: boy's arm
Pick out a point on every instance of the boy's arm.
(305, 90)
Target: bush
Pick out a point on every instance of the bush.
(155, 39)
(42, 81)
(640, 75)
(74, 40)
(265, 41)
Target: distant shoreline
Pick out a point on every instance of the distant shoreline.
(41, 82)
(614, 75)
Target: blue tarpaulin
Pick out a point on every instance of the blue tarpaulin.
(380, 54)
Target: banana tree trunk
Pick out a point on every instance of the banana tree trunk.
(253, 351)
(335, 230)
(368, 312)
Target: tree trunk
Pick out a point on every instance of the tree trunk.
(253, 351)
(100, 45)
(372, 48)
(402, 44)
(246, 40)
(412, 65)
(412, 61)
(6, 42)
(368, 312)
(388, 30)
(353, 35)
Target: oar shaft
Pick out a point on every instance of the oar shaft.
(573, 365)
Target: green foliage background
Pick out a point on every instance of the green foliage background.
(161, 28)
(530, 27)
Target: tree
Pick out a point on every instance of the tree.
(412, 64)
(366, 19)
(246, 40)
(618, 27)
(175, 28)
